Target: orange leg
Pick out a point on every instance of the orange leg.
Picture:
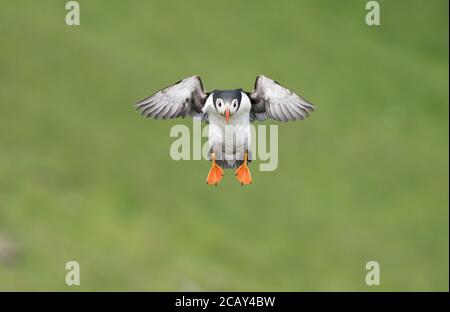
(243, 173)
(215, 173)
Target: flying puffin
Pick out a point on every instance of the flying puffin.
(225, 108)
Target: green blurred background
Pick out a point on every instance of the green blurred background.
(84, 177)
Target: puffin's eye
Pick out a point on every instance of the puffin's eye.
(234, 103)
(219, 103)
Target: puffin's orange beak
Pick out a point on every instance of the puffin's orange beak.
(227, 114)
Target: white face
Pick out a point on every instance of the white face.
(234, 105)
(222, 106)
(246, 105)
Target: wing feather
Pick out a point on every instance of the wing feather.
(272, 100)
(181, 99)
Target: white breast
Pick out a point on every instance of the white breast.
(229, 141)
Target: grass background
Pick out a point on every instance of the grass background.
(84, 177)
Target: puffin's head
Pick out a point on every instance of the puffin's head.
(227, 102)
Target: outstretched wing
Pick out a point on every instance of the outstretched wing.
(184, 98)
(272, 100)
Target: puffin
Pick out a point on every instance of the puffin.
(228, 113)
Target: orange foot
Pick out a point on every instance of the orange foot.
(215, 174)
(243, 174)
